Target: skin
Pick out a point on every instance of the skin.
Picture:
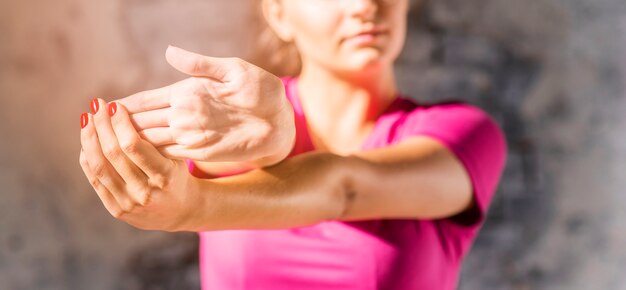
(229, 110)
(417, 178)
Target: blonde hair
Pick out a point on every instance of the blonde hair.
(269, 51)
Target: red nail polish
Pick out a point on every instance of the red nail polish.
(95, 105)
(84, 120)
(112, 109)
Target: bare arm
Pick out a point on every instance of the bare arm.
(418, 178)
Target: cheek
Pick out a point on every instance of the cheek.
(315, 30)
(397, 19)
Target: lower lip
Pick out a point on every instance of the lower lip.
(363, 39)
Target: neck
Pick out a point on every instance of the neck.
(351, 103)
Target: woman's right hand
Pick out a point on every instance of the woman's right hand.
(228, 110)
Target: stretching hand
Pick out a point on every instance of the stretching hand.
(134, 181)
(228, 110)
(149, 191)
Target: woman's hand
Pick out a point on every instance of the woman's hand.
(134, 181)
(229, 110)
(149, 191)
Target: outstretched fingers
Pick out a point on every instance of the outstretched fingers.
(151, 119)
(158, 136)
(198, 65)
(147, 100)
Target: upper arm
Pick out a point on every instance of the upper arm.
(417, 178)
(445, 159)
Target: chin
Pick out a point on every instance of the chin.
(367, 62)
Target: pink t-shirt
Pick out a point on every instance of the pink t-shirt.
(375, 254)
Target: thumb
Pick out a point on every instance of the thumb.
(196, 65)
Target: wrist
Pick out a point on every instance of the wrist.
(210, 170)
(200, 205)
(281, 143)
(275, 158)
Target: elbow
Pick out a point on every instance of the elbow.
(347, 193)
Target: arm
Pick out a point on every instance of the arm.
(418, 178)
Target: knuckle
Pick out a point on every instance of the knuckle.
(159, 181)
(112, 153)
(144, 199)
(127, 207)
(143, 195)
(83, 161)
(98, 169)
(130, 145)
(90, 135)
(116, 213)
(207, 136)
(95, 183)
(197, 66)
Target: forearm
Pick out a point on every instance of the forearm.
(297, 192)
(419, 179)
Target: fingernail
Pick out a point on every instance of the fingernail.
(84, 120)
(95, 105)
(112, 109)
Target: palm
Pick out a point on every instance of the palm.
(229, 110)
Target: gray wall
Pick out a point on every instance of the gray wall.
(551, 71)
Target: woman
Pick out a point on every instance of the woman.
(378, 192)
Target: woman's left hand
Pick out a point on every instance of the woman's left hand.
(228, 110)
(143, 188)
(134, 181)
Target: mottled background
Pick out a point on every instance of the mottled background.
(551, 72)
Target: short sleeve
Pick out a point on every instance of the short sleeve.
(476, 140)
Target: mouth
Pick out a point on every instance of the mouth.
(367, 36)
(375, 31)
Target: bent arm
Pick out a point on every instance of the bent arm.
(418, 178)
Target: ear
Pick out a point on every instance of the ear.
(273, 11)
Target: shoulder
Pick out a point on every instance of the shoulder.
(451, 121)
(446, 111)
(460, 126)
(473, 135)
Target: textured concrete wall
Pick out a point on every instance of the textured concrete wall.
(551, 71)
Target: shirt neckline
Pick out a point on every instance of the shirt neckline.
(293, 91)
